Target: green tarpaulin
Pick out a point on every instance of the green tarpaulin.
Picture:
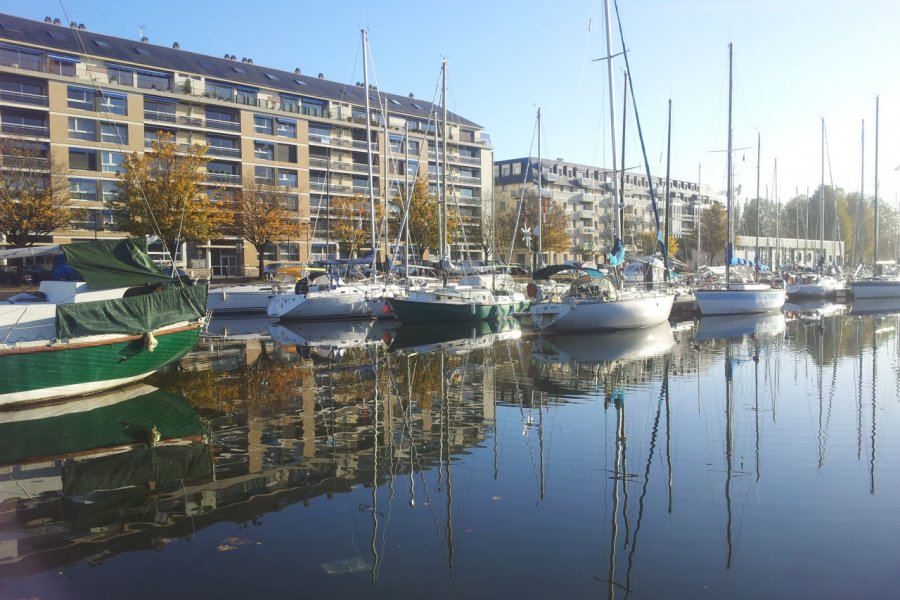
(113, 263)
(134, 314)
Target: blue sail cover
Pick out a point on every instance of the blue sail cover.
(617, 254)
(734, 261)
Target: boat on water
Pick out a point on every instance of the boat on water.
(813, 285)
(595, 301)
(736, 297)
(881, 284)
(326, 296)
(124, 320)
(255, 297)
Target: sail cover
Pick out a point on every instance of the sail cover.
(113, 263)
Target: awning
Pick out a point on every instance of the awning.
(64, 58)
(29, 252)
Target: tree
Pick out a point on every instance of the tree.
(351, 222)
(650, 245)
(261, 216)
(160, 194)
(423, 217)
(554, 234)
(34, 192)
(713, 233)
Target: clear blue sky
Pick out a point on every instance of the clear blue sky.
(795, 62)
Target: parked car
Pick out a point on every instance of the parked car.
(10, 274)
(39, 272)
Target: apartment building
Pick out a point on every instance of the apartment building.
(585, 193)
(87, 99)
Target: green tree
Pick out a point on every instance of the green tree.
(713, 233)
(160, 193)
(262, 216)
(34, 192)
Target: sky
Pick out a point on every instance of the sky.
(796, 62)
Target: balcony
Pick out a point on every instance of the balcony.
(224, 151)
(212, 123)
(160, 117)
(24, 98)
(226, 178)
(27, 130)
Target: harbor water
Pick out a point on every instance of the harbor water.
(750, 457)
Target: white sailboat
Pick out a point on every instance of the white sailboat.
(733, 297)
(593, 303)
(817, 284)
(879, 285)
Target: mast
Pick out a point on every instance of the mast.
(540, 199)
(408, 201)
(728, 244)
(859, 247)
(699, 204)
(371, 182)
(875, 247)
(668, 173)
(777, 262)
(822, 207)
(612, 117)
(758, 159)
(443, 220)
(620, 208)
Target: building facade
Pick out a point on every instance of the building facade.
(586, 194)
(86, 99)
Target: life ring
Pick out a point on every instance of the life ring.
(531, 290)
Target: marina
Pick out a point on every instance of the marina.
(737, 457)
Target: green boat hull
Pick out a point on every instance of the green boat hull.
(54, 372)
(413, 311)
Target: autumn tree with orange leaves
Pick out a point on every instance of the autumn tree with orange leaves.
(262, 216)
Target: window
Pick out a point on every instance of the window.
(221, 145)
(81, 98)
(143, 52)
(286, 153)
(159, 109)
(320, 132)
(114, 133)
(222, 118)
(110, 190)
(264, 150)
(271, 77)
(300, 82)
(27, 91)
(396, 142)
(516, 169)
(291, 202)
(23, 58)
(287, 177)
(111, 162)
(413, 147)
(113, 103)
(263, 124)
(82, 129)
(102, 44)
(82, 159)
(83, 189)
(290, 103)
(222, 91)
(288, 251)
(120, 75)
(245, 95)
(265, 174)
(240, 70)
(154, 80)
(286, 128)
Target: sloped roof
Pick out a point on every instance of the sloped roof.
(64, 38)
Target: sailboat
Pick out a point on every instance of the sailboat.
(594, 303)
(879, 285)
(733, 297)
(817, 284)
(328, 296)
(460, 302)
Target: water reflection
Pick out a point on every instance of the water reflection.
(617, 464)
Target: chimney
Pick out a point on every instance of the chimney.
(321, 75)
(411, 95)
(176, 45)
(81, 26)
(145, 40)
(232, 57)
(297, 71)
(57, 21)
(249, 61)
(73, 25)
(48, 20)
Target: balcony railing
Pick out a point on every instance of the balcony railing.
(29, 130)
(223, 151)
(214, 123)
(162, 117)
(230, 178)
(24, 98)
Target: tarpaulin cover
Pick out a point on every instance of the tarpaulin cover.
(108, 264)
(133, 314)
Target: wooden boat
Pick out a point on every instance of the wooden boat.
(126, 320)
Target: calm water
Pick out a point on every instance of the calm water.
(736, 457)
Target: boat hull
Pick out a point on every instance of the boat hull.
(430, 307)
(51, 372)
(339, 303)
(629, 312)
(821, 289)
(731, 301)
(240, 300)
(875, 288)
